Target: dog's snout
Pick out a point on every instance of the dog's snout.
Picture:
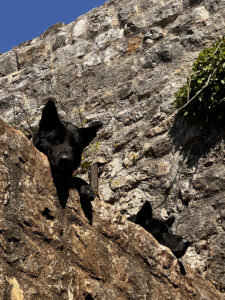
(64, 162)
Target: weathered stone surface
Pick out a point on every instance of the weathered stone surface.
(122, 63)
(52, 253)
(8, 63)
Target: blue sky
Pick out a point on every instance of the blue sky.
(22, 20)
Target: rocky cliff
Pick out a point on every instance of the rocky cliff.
(48, 252)
(120, 63)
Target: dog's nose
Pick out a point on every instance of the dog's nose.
(64, 162)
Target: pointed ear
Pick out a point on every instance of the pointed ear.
(87, 134)
(50, 118)
(144, 214)
(170, 221)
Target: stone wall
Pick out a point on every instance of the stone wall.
(122, 63)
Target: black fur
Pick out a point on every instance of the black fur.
(63, 144)
(161, 230)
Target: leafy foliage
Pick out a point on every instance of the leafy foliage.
(202, 98)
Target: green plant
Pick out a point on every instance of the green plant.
(85, 165)
(80, 116)
(202, 98)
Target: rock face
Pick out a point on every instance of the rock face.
(52, 253)
(122, 63)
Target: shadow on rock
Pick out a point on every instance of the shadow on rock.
(64, 183)
(195, 140)
(86, 196)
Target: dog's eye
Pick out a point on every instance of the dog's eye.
(56, 139)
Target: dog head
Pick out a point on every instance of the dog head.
(62, 142)
(161, 230)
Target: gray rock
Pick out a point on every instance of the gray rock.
(154, 34)
(8, 63)
(79, 29)
(60, 41)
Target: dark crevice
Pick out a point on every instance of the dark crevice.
(158, 277)
(97, 278)
(89, 297)
(13, 240)
(47, 213)
(17, 61)
(21, 160)
(47, 240)
(61, 248)
(182, 269)
(26, 223)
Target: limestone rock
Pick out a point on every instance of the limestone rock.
(8, 63)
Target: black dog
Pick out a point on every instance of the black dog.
(161, 230)
(63, 144)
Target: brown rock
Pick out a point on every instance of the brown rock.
(52, 253)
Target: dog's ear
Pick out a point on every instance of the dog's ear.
(50, 118)
(144, 215)
(169, 222)
(87, 134)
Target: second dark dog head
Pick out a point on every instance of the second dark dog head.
(161, 230)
